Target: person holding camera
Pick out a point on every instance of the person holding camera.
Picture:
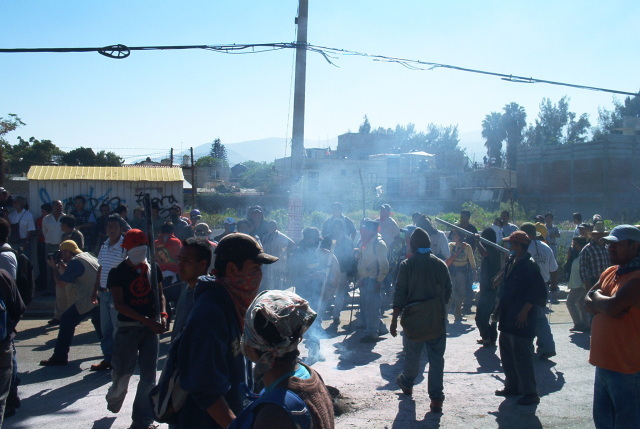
(75, 274)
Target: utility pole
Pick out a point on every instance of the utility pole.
(193, 182)
(171, 158)
(296, 209)
(297, 138)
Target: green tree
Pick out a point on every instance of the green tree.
(365, 127)
(218, 151)
(86, 156)
(80, 156)
(209, 161)
(30, 152)
(610, 120)
(556, 124)
(108, 159)
(8, 124)
(493, 130)
(259, 175)
(514, 121)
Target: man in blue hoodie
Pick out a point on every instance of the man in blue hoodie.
(211, 365)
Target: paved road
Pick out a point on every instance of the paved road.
(73, 397)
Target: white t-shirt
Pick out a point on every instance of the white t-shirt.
(440, 245)
(25, 218)
(543, 255)
(8, 261)
(499, 235)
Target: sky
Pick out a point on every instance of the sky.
(155, 100)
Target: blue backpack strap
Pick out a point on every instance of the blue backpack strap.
(286, 399)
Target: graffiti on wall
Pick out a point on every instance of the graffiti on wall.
(113, 201)
(93, 202)
(164, 201)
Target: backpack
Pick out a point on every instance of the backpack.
(286, 399)
(24, 276)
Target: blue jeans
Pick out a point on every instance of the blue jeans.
(545, 341)
(435, 353)
(371, 301)
(108, 324)
(134, 344)
(616, 400)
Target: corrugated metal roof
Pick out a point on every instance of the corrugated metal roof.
(128, 174)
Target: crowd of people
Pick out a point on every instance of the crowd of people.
(241, 303)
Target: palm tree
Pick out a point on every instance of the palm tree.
(493, 131)
(514, 121)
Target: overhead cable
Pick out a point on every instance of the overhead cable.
(120, 51)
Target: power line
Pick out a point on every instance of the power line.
(121, 51)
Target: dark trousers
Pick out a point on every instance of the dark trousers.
(41, 281)
(486, 305)
(68, 322)
(516, 354)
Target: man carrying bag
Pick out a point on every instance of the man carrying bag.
(423, 289)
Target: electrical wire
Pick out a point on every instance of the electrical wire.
(330, 54)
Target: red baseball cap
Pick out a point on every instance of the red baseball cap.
(134, 238)
(518, 237)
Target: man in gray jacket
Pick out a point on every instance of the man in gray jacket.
(423, 277)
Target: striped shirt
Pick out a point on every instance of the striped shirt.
(108, 258)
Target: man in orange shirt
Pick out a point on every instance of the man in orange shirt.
(615, 333)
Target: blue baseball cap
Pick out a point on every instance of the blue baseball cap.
(623, 232)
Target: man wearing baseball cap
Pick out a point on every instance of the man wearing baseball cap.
(75, 274)
(141, 318)
(229, 227)
(543, 255)
(522, 293)
(212, 368)
(614, 302)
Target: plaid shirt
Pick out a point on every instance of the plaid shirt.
(594, 259)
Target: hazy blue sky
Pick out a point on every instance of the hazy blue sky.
(151, 101)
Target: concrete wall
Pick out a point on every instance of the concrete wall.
(590, 178)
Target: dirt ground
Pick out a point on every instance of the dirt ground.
(365, 376)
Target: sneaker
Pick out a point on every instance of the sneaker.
(547, 355)
(53, 322)
(435, 406)
(53, 362)
(506, 392)
(102, 366)
(530, 399)
(404, 386)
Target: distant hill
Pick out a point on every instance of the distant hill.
(268, 149)
(263, 150)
